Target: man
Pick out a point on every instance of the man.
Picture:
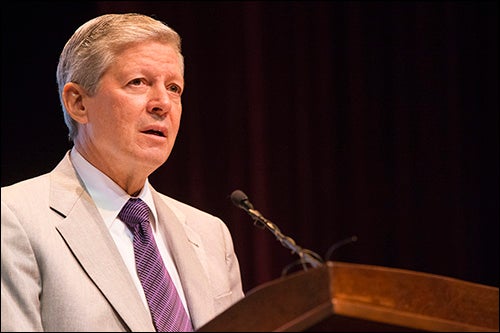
(68, 255)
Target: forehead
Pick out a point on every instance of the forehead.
(151, 55)
(150, 50)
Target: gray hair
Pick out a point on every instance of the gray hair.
(95, 45)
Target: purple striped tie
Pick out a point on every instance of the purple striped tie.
(164, 302)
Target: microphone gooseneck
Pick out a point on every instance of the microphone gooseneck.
(241, 200)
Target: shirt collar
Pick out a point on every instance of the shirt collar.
(107, 195)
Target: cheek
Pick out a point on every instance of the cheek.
(109, 119)
(177, 115)
(177, 119)
(98, 108)
(176, 122)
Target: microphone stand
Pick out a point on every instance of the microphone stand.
(305, 255)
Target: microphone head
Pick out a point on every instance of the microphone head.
(240, 200)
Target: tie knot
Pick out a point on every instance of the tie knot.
(134, 212)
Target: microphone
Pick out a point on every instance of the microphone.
(241, 200)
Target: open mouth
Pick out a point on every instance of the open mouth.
(154, 132)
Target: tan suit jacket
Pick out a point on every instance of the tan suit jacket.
(61, 270)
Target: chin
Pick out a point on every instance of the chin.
(151, 158)
(155, 161)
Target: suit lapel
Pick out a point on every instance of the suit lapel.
(184, 244)
(88, 238)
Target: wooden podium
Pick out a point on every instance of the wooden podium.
(350, 297)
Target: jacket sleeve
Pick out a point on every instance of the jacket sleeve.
(20, 284)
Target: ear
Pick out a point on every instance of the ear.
(73, 98)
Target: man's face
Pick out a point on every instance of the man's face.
(134, 117)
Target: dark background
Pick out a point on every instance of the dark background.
(374, 119)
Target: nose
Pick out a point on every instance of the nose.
(159, 101)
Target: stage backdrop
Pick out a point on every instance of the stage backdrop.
(370, 119)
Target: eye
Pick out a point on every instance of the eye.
(135, 82)
(175, 89)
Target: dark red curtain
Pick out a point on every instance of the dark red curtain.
(370, 119)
